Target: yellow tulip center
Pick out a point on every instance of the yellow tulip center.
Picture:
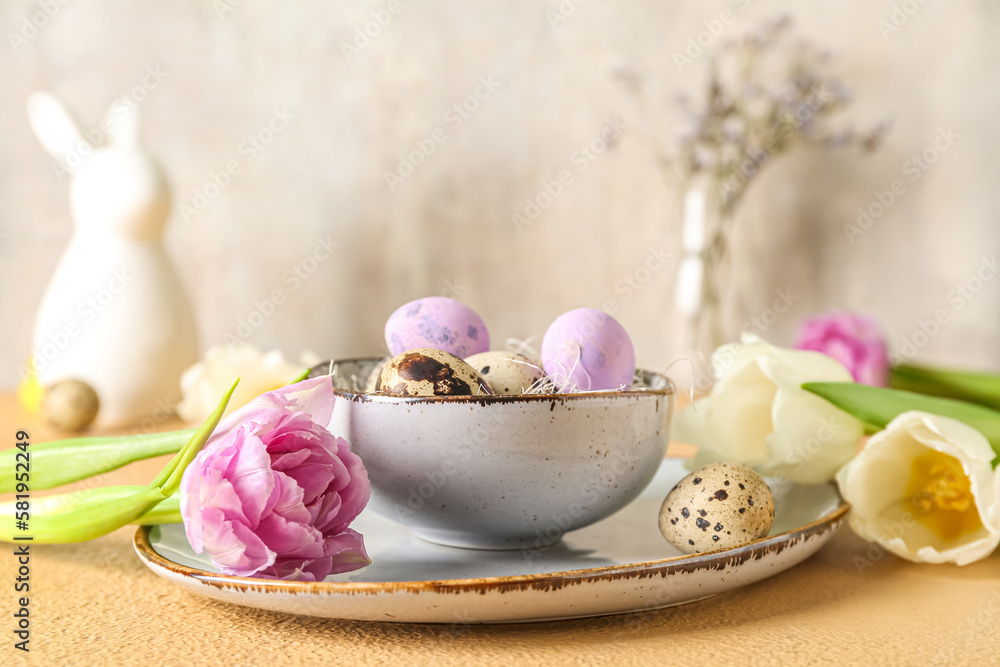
(941, 497)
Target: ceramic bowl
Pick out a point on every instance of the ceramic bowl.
(502, 472)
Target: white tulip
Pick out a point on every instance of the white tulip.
(925, 490)
(759, 415)
(205, 381)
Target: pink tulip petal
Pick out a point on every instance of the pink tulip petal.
(290, 538)
(191, 506)
(252, 479)
(326, 513)
(288, 460)
(314, 480)
(355, 496)
(314, 397)
(289, 503)
(853, 339)
(233, 547)
(348, 551)
(254, 417)
(218, 493)
(273, 492)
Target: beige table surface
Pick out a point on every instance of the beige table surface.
(96, 604)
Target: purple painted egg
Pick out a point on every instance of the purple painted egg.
(436, 322)
(588, 350)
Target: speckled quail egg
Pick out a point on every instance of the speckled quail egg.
(430, 372)
(70, 405)
(720, 506)
(508, 373)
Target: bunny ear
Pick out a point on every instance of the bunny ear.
(122, 121)
(55, 128)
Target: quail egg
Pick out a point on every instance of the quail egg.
(430, 372)
(720, 506)
(508, 373)
(70, 405)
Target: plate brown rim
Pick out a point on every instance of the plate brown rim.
(718, 560)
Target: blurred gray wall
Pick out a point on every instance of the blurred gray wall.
(547, 88)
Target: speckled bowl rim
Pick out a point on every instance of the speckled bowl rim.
(486, 399)
(717, 560)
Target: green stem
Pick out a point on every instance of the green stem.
(63, 461)
(90, 520)
(186, 455)
(167, 511)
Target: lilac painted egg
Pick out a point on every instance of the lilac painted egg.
(588, 350)
(436, 322)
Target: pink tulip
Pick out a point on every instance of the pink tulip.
(852, 339)
(273, 492)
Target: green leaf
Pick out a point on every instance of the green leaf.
(98, 512)
(878, 406)
(981, 388)
(87, 520)
(302, 376)
(180, 462)
(168, 511)
(63, 461)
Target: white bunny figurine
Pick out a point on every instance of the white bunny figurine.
(115, 314)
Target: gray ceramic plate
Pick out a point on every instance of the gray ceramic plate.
(618, 565)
